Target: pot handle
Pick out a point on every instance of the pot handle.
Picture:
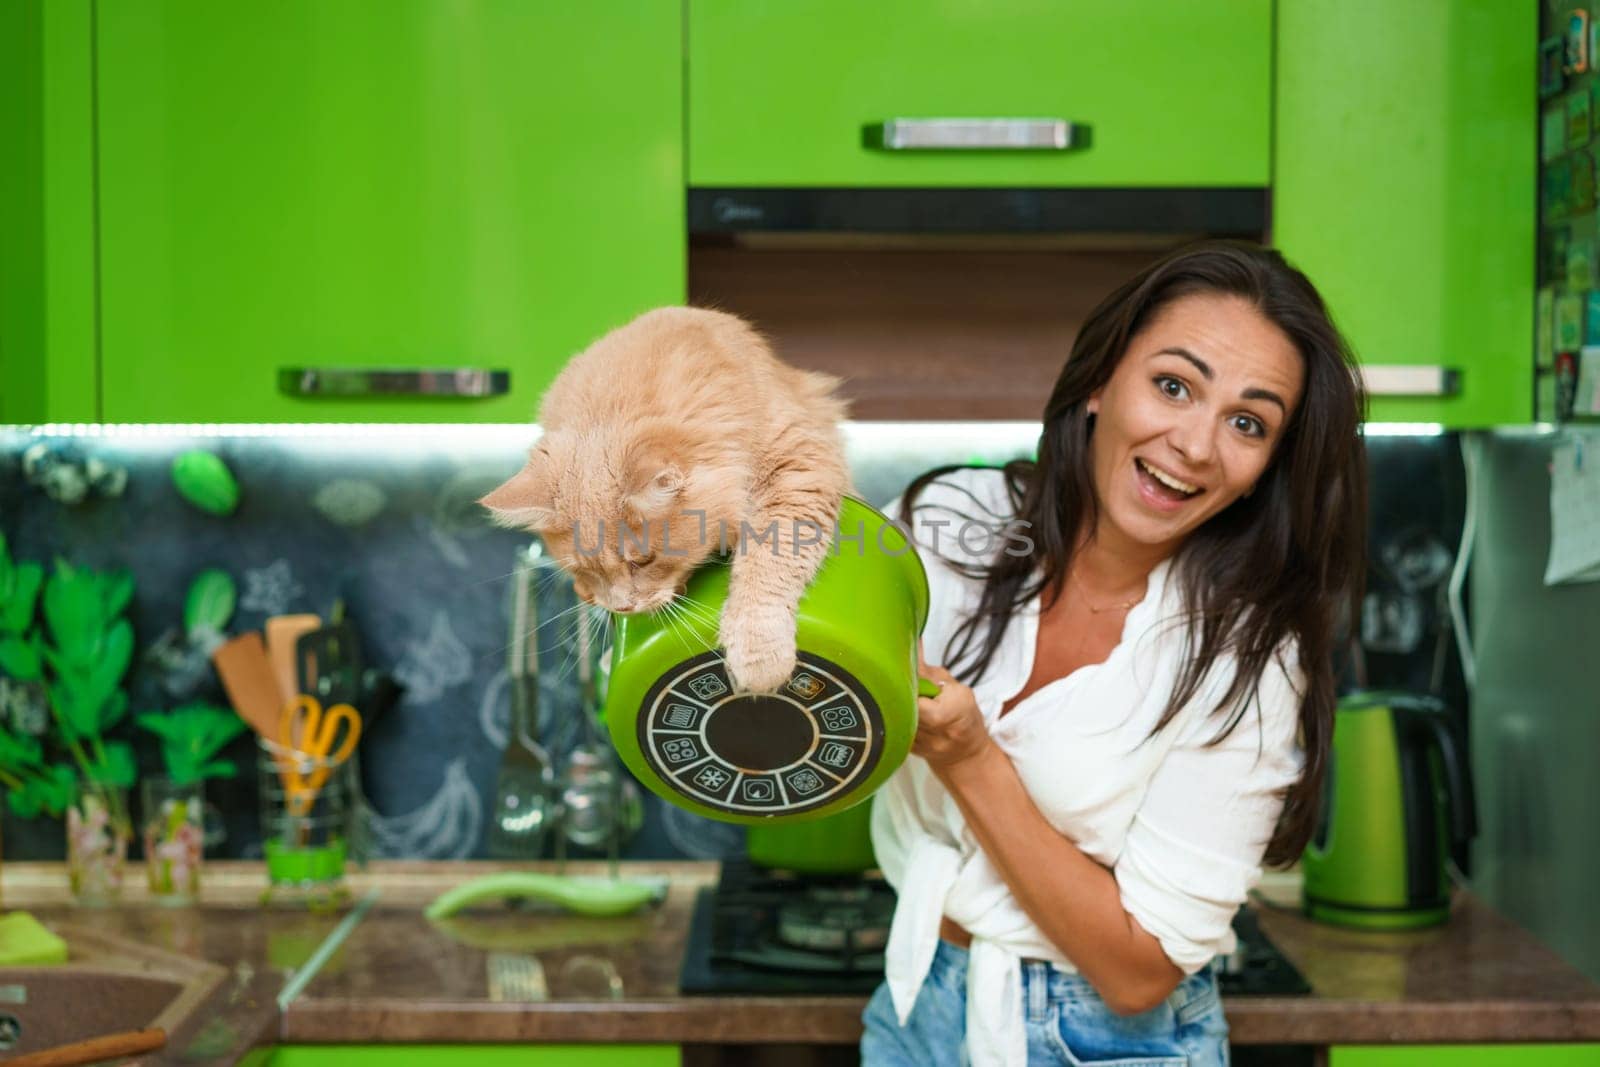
(926, 687)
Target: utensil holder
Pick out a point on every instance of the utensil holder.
(305, 841)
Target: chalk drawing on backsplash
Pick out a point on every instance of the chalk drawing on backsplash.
(270, 590)
(558, 727)
(435, 663)
(458, 518)
(494, 709)
(24, 707)
(349, 501)
(700, 838)
(446, 827)
(182, 663)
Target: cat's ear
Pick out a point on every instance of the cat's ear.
(656, 487)
(523, 501)
(653, 470)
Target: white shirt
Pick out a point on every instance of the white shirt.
(1183, 827)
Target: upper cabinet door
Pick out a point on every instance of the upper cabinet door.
(1161, 92)
(377, 184)
(1404, 188)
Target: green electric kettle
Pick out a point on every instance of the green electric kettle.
(835, 731)
(1397, 801)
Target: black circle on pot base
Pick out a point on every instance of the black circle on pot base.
(760, 733)
(815, 742)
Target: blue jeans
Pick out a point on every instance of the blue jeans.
(1067, 1022)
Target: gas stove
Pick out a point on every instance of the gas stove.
(1256, 968)
(775, 933)
(771, 932)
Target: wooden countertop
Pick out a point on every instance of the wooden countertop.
(400, 978)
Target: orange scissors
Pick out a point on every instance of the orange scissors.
(328, 738)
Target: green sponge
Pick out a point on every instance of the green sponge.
(24, 940)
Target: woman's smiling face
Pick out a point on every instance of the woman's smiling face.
(1190, 418)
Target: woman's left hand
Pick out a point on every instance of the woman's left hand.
(950, 728)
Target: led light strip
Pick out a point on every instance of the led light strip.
(978, 435)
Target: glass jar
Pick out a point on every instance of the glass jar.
(98, 830)
(305, 807)
(174, 836)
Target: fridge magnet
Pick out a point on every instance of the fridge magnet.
(1544, 327)
(1581, 198)
(1575, 57)
(1566, 384)
(1552, 132)
(1569, 321)
(1553, 255)
(1578, 120)
(1591, 320)
(1580, 267)
(1557, 189)
(1550, 77)
(1544, 394)
(1586, 396)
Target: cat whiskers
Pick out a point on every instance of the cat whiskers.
(692, 608)
(492, 578)
(694, 612)
(681, 619)
(589, 630)
(672, 620)
(506, 648)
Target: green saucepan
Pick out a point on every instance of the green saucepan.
(828, 738)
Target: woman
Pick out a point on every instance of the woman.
(1137, 711)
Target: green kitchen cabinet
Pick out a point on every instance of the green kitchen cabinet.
(1403, 185)
(47, 312)
(1173, 93)
(528, 1055)
(296, 184)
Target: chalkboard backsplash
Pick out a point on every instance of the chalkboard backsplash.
(385, 519)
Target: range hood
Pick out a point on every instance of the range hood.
(1211, 211)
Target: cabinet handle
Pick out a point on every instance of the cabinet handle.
(471, 382)
(1416, 379)
(899, 135)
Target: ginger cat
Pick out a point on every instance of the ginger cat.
(673, 438)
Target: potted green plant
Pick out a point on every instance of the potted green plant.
(84, 650)
(173, 805)
(23, 706)
(78, 658)
(33, 784)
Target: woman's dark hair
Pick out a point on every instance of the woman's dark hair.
(1287, 561)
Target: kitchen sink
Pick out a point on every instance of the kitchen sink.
(41, 1007)
(112, 985)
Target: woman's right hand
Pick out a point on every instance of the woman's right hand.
(950, 726)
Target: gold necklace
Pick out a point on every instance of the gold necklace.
(1084, 593)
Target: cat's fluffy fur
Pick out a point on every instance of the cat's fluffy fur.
(687, 410)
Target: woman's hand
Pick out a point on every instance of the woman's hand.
(950, 728)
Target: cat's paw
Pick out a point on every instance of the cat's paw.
(760, 649)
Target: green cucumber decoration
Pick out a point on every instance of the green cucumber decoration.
(205, 481)
(600, 897)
